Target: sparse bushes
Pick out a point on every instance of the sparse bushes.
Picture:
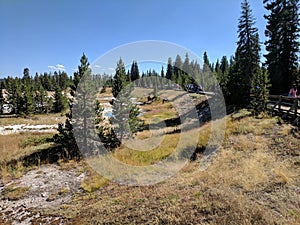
(36, 139)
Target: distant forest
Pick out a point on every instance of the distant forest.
(244, 80)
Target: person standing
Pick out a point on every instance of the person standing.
(293, 92)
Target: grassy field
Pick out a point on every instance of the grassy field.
(45, 119)
(14, 146)
(254, 179)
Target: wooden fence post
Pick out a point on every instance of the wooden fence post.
(279, 104)
(296, 107)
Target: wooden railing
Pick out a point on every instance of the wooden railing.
(284, 106)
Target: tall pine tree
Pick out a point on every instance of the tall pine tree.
(120, 78)
(2, 100)
(134, 72)
(59, 100)
(222, 75)
(124, 118)
(282, 45)
(27, 89)
(246, 58)
(260, 91)
(169, 72)
(66, 131)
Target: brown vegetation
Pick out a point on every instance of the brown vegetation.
(253, 179)
(45, 119)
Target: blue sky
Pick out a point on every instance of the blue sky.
(47, 35)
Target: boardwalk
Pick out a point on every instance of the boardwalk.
(286, 107)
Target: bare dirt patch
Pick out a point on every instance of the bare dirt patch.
(47, 187)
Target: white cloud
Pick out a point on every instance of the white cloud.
(60, 66)
(57, 67)
(97, 66)
(111, 69)
(52, 67)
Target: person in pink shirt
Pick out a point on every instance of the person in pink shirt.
(293, 92)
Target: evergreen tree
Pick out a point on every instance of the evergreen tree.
(27, 89)
(222, 75)
(2, 100)
(260, 91)
(15, 97)
(36, 81)
(83, 109)
(40, 99)
(134, 72)
(63, 80)
(46, 82)
(59, 100)
(26, 75)
(128, 77)
(207, 74)
(80, 93)
(224, 65)
(196, 72)
(120, 79)
(124, 118)
(282, 45)
(186, 64)
(162, 73)
(246, 58)
(206, 60)
(177, 70)
(217, 66)
(169, 72)
(49, 105)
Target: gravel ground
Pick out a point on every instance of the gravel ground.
(48, 187)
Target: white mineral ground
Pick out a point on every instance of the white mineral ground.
(18, 128)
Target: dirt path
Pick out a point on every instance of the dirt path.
(47, 187)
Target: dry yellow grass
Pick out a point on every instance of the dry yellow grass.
(12, 145)
(15, 193)
(252, 180)
(15, 146)
(47, 119)
(141, 92)
(246, 160)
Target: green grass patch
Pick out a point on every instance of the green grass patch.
(14, 193)
(93, 182)
(143, 158)
(157, 110)
(36, 139)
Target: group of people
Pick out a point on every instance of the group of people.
(293, 92)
